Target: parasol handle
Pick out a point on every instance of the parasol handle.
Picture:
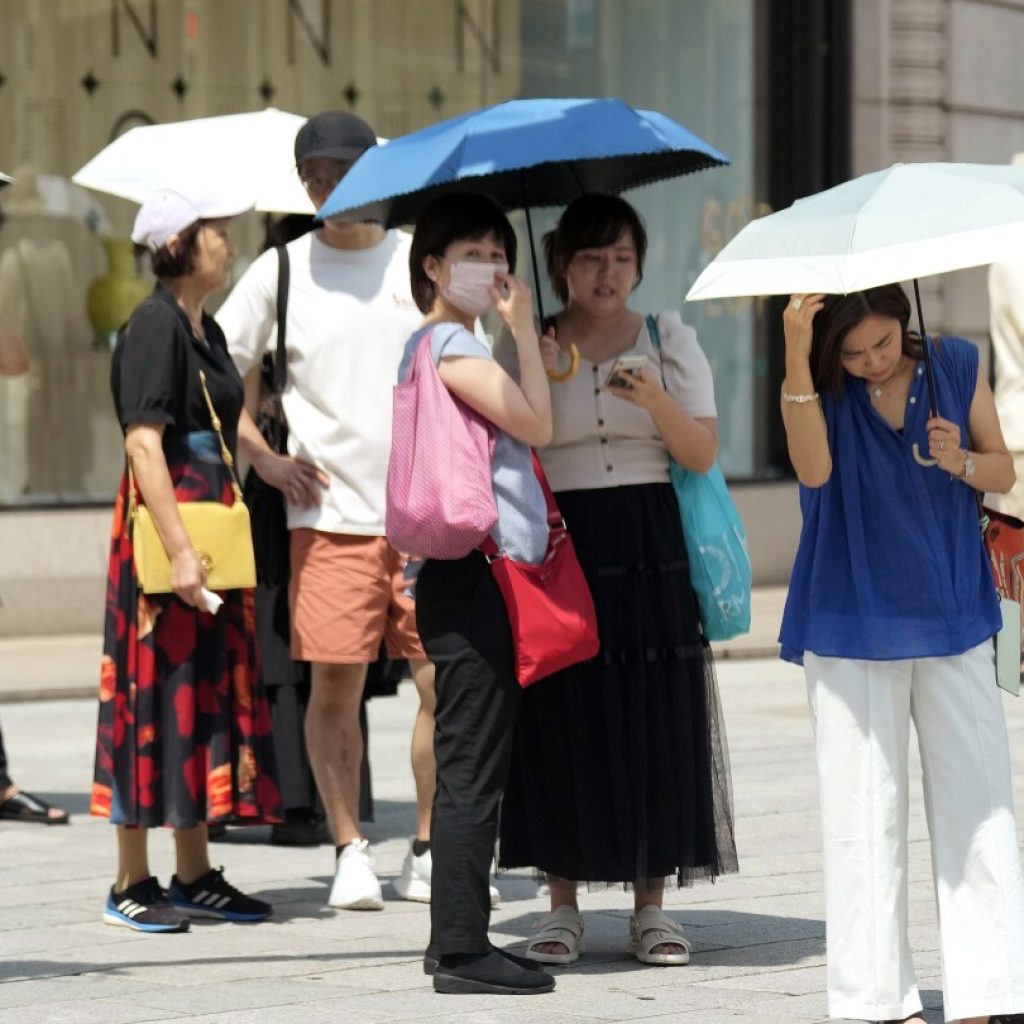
(929, 374)
(533, 251)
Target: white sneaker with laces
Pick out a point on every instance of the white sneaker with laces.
(355, 884)
(414, 881)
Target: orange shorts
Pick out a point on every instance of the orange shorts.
(347, 593)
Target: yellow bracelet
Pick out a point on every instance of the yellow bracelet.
(574, 365)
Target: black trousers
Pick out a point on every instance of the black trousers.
(299, 795)
(5, 779)
(463, 626)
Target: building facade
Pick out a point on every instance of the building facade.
(798, 93)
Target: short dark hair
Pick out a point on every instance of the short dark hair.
(841, 314)
(453, 218)
(166, 264)
(591, 222)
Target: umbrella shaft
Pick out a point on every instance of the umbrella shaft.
(533, 253)
(929, 371)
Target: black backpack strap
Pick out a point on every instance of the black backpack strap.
(280, 376)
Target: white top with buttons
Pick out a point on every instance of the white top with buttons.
(604, 441)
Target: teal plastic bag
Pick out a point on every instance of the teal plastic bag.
(716, 543)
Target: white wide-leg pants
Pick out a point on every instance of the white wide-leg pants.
(861, 712)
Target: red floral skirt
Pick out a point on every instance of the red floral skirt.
(184, 732)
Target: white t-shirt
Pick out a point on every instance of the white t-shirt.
(350, 313)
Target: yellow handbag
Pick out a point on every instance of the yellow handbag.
(221, 534)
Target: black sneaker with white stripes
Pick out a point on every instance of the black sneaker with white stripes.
(212, 896)
(144, 906)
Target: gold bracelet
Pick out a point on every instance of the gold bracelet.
(787, 397)
(574, 365)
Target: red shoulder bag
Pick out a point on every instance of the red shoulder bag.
(550, 608)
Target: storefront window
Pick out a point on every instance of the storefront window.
(692, 60)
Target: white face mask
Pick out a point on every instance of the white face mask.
(470, 283)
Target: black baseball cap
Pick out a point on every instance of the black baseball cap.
(335, 134)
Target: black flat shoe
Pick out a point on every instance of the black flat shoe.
(430, 960)
(300, 832)
(26, 807)
(489, 974)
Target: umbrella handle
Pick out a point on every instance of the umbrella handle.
(920, 459)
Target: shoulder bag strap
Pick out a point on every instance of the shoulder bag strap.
(225, 454)
(280, 375)
(655, 333)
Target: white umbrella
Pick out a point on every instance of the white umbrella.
(253, 153)
(5, 179)
(909, 221)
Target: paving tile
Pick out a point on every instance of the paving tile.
(758, 936)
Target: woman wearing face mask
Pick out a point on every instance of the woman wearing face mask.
(618, 770)
(460, 263)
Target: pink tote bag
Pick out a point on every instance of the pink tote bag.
(440, 499)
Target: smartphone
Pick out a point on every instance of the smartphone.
(624, 366)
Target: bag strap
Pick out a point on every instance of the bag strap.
(655, 332)
(225, 454)
(280, 375)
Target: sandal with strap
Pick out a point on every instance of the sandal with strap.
(650, 928)
(26, 807)
(564, 926)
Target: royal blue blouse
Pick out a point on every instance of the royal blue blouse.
(891, 563)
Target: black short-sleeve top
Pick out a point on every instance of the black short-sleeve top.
(154, 373)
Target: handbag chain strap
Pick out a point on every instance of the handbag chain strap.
(225, 454)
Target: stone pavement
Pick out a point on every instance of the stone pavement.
(758, 935)
(45, 667)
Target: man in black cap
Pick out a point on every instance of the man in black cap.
(349, 313)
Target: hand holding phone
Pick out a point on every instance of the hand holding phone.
(624, 368)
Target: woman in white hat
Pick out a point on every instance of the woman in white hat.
(184, 728)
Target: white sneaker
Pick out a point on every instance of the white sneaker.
(414, 881)
(355, 885)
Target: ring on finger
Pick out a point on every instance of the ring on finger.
(941, 445)
(797, 303)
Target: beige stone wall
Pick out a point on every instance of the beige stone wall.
(410, 62)
(940, 80)
(401, 64)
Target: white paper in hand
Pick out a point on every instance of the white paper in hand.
(209, 601)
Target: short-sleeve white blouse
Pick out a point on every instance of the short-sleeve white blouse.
(600, 440)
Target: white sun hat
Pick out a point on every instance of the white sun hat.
(168, 211)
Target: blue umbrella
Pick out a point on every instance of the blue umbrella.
(523, 153)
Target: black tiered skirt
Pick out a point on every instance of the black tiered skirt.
(620, 770)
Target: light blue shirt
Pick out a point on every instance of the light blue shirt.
(522, 530)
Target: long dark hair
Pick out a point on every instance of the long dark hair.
(840, 315)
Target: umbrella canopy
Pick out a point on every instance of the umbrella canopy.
(5, 179)
(542, 152)
(254, 153)
(909, 221)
